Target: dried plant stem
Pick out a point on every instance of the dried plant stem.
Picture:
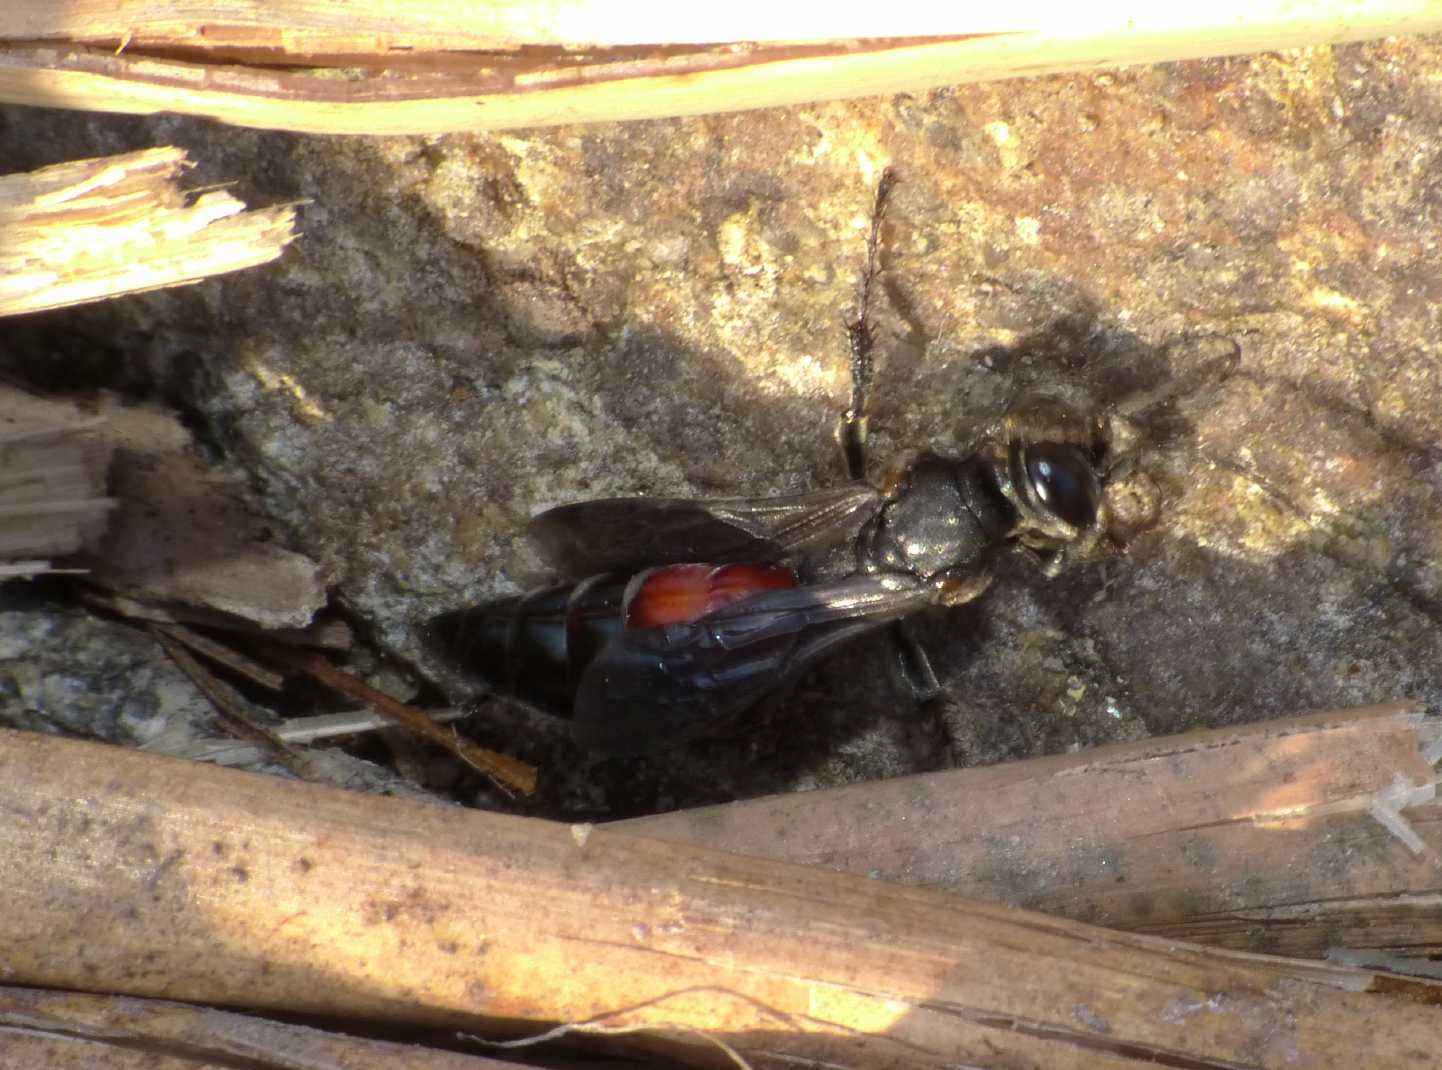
(431, 66)
(233, 716)
(223, 655)
(130, 873)
(80, 1031)
(1295, 836)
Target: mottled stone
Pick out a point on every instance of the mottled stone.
(66, 670)
(473, 328)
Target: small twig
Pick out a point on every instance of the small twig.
(350, 723)
(25, 569)
(296, 730)
(224, 655)
(860, 338)
(231, 714)
(509, 773)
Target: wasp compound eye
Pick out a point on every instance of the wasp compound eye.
(1064, 483)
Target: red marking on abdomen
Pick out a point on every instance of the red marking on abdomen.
(679, 593)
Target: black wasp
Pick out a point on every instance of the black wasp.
(681, 614)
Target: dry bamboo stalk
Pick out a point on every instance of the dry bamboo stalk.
(1256, 837)
(319, 28)
(79, 1031)
(53, 461)
(131, 874)
(386, 27)
(92, 229)
(432, 66)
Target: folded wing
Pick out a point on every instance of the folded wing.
(627, 534)
(654, 687)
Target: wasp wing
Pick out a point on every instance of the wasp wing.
(625, 534)
(650, 688)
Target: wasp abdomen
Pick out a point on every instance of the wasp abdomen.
(675, 594)
(537, 646)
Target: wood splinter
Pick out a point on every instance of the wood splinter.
(53, 461)
(91, 229)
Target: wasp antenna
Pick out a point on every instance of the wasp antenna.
(852, 432)
(1215, 357)
(873, 244)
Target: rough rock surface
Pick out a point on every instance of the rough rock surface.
(65, 670)
(473, 328)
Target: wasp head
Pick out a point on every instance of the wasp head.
(1056, 459)
(1069, 468)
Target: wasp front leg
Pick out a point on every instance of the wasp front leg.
(912, 665)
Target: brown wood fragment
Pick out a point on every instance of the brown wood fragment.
(80, 1031)
(139, 875)
(123, 484)
(180, 535)
(442, 65)
(330, 633)
(1257, 837)
(510, 773)
(92, 229)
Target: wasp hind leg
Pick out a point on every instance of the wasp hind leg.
(913, 666)
(927, 729)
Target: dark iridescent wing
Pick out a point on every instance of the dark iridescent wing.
(650, 688)
(625, 534)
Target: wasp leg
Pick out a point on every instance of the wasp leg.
(851, 429)
(913, 666)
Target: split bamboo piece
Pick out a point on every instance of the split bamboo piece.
(92, 229)
(1265, 837)
(127, 873)
(430, 66)
(53, 460)
(80, 1031)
